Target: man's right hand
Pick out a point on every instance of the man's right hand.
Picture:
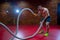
(35, 14)
(41, 23)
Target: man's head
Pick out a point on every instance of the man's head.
(40, 7)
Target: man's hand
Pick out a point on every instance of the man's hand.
(35, 14)
(42, 22)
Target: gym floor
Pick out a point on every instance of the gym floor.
(26, 30)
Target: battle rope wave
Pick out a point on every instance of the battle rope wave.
(14, 35)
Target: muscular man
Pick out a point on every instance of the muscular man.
(44, 12)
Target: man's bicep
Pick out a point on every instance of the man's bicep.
(39, 13)
(46, 13)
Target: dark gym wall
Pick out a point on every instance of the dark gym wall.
(58, 14)
(51, 5)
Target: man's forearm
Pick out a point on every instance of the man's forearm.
(35, 14)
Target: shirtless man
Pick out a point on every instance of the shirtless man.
(44, 12)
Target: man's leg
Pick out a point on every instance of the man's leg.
(47, 29)
(41, 30)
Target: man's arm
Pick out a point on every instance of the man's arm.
(39, 13)
(35, 14)
(45, 16)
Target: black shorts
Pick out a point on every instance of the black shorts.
(48, 19)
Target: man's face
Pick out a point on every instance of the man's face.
(39, 7)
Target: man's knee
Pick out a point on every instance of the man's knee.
(47, 23)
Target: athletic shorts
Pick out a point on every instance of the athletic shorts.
(48, 19)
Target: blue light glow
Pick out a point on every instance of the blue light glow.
(17, 11)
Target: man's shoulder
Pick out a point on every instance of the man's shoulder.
(46, 9)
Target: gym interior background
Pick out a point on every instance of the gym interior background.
(8, 16)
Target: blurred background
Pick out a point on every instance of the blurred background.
(9, 10)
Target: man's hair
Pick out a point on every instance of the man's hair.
(39, 5)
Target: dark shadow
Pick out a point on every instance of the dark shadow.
(58, 14)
